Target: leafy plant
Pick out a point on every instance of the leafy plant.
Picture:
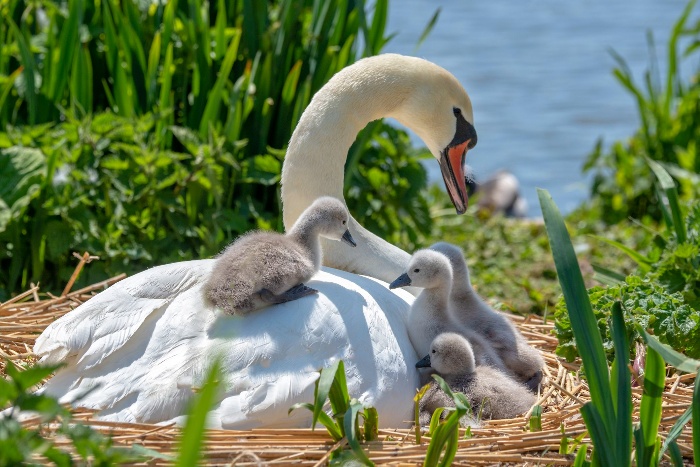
(24, 445)
(444, 434)
(345, 422)
(623, 183)
(608, 416)
(174, 119)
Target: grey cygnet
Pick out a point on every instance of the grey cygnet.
(264, 268)
(490, 392)
(429, 315)
(466, 307)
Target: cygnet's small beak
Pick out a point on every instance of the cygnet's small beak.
(424, 362)
(402, 281)
(347, 238)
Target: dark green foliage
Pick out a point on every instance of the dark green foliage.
(663, 296)
(26, 445)
(645, 302)
(175, 119)
(669, 111)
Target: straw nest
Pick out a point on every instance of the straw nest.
(498, 442)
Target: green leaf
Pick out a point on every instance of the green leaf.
(641, 260)
(190, 446)
(62, 55)
(603, 447)
(676, 430)
(323, 387)
(21, 170)
(536, 418)
(350, 422)
(580, 459)
(650, 408)
(583, 322)
(696, 418)
(427, 30)
(371, 425)
(621, 387)
(669, 188)
(673, 358)
(27, 61)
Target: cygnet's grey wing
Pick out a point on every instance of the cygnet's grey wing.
(497, 396)
(433, 399)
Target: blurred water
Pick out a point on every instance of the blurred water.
(539, 75)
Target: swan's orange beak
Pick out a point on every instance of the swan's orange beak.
(451, 166)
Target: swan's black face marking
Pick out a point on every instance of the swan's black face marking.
(452, 161)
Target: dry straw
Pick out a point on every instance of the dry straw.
(562, 393)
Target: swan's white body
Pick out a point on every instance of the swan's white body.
(146, 342)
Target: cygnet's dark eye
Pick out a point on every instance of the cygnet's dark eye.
(457, 111)
(343, 222)
(433, 350)
(416, 270)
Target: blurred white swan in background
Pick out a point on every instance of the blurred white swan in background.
(147, 341)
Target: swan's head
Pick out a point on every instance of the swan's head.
(427, 269)
(329, 218)
(438, 109)
(450, 354)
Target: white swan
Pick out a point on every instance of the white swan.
(146, 342)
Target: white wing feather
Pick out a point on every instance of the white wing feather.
(139, 348)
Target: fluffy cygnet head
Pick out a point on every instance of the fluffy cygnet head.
(427, 269)
(456, 258)
(450, 354)
(328, 217)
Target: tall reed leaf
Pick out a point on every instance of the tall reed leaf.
(351, 431)
(650, 409)
(672, 357)
(696, 418)
(190, 449)
(583, 322)
(29, 68)
(669, 188)
(676, 429)
(62, 55)
(621, 387)
(603, 444)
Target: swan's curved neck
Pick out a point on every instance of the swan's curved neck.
(315, 162)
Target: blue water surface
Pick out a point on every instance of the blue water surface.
(540, 77)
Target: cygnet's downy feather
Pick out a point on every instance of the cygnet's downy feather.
(490, 392)
(467, 308)
(264, 268)
(429, 314)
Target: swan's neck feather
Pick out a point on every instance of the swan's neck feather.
(315, 160)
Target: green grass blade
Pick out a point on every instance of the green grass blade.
(672, 71)
(190, 448)
(323, 386)
(81, 79)
(211, 110)
(669, 187)
(676, 430)
(673, 358)
(371, 425)
(323, 419)
(350, 422)
(580, 459)
(603, 447)
(621, 387)
(338, 395)
(62, 54)
(650, 408)
(29, 68)
(536, 418)
(416, 400)
(642, 261)
(675, 454)
(450, 448)
(583, 322)
(696, 418)
(427, 30)
(607, 276)
(152, 71)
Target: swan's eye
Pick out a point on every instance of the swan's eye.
(416, 270)
(457, 111)
(343, 222)
(433, 350)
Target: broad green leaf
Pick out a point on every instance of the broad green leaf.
(193, 434)
(673, 358)
(642, 261)
(21, 170)
(323, 387)
(650, 408)
(676, 430)
(583, 322)
(29, 67)
(350, 423)
(603, 446)
(669, 188)
(621, 387)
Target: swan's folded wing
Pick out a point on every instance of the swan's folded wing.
(91, 332)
